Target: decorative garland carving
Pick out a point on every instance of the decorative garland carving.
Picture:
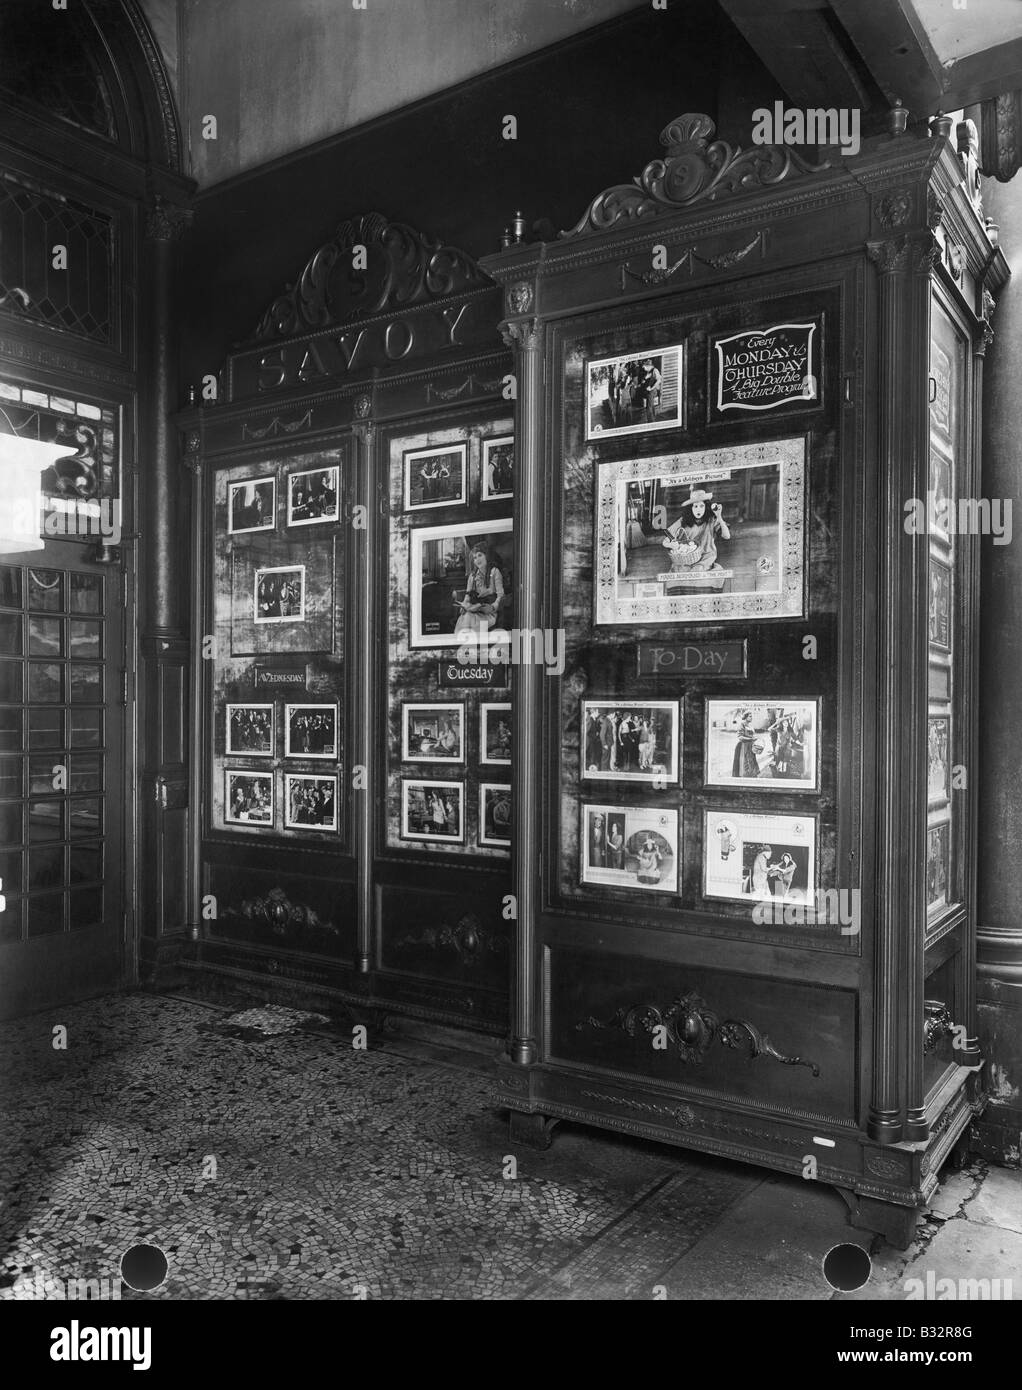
(403, 268)
(722, 262)
(275, 425)
(697, 168)
(682, 1115)
(691, 1027)
(471, 384)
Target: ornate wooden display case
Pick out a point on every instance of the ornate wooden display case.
(744, 868)
(351, 847)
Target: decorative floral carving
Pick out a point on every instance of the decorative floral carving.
(937, 1025)
(885, 1166)
(691, 1027)
(519, 298)
(697, 168)
(894, 209)
(468, 938)
(403, 268)
(276, 911)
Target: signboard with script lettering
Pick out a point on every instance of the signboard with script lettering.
(282, 678)
(483, 675)
(766, 368)
(693, 659)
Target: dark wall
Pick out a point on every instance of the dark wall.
(589, 112)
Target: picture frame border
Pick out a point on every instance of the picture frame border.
(634, 778)
(790, 454)
(407, 455)
(767, 784)
(312, 777)
(481, 838)
(276, 569)
(747, 898)
(230, 705)
(417, 536)
(316, 520)
(270, 776)
(270, 478)
(484, 707)
(412, 837)
(491, 442)
(624, 431)
(583, 840)
(308, 704)
(409, 706)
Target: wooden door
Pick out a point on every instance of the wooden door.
(62, 794)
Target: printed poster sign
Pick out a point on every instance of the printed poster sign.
(767, 367)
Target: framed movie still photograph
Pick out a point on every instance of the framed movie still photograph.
(251, 506)
(495, 734)
(635, 393)
(762, 745)
(248, 798)
(938, 865)
(310, 802)
(310, 731)
(759, 858)
(312, 497)
(433, 811)
(938, 773)
(250, 730)
(631, 741)
(435, 477)
(433, 733)
(630, 847)
(498, 468)
(495, 814)
(280, 594)
(710, 536)
(460, 582)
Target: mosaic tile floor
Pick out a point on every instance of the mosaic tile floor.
(270, 1160)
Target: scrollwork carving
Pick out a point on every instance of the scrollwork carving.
(690, 1027)
(283, 917)
(937, 1025)
(468, 938)
(696, 168)
(403, 268)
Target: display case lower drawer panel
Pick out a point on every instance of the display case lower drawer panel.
(792, 1047)
(264, 907)
(452, 937)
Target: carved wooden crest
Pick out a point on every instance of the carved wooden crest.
(400, 268)
(696, 168)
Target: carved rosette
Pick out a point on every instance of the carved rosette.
(696, 168)
(690, 1027)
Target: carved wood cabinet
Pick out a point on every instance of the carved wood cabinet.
(744, 858)
(351, 846)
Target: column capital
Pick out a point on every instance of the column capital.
(166, 221)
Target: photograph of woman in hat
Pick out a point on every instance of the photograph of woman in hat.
(692, 538)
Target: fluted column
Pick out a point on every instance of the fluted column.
(526, 683)
(361, 753)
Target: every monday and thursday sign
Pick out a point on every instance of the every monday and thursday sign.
(766, 367)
